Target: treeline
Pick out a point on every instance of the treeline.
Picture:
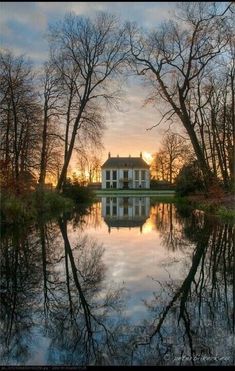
(187, 62)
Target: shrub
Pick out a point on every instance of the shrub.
(161, 184)
(50, 202)
(77, 192)
(189, 180)
(14, 209)
(21, 209)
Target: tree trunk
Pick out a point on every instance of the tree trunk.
(209, 178)
(16, 152)
(64, 170)
(43, 152)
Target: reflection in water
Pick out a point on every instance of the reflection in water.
(59, 304)
(122, 212)
(193, 322)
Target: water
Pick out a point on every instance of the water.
(127, 282)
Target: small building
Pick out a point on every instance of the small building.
(125, 173)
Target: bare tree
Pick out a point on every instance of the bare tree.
(87, 54)
(173, 153)
(51, 110)
(173, 58)
(20, 125)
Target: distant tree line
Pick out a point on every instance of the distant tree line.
(188, 62)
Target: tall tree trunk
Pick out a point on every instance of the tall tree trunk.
(16, 152)
(44, 149)
(209, 178)
(63, 174)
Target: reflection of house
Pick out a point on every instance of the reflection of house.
(121, 212)
(125, 172)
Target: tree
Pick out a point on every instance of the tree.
(51, 110)
(178, 55)
(89, 162)
(20, 124)
(171, 156)
(87, 54)
(189, 179)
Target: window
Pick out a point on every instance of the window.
(107, 184)
(125, 174)
(137, 210)
(114, 175)
(114, 184)
(114, 200)
(136, 174)
(125, 210)
(107, 210)
(142, 174)
(115, 210)
(107, 174)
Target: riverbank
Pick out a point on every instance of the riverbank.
(223, 207)
(133, 192)
(20, 209)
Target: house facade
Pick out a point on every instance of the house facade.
(125, 173)
(125, 212)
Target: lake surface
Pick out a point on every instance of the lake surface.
(128, 281)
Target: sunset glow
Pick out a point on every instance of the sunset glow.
(147, 157)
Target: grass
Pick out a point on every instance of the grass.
(225, 213)
(214, 208)
(209, 207)
(133, 192)
(15, 209)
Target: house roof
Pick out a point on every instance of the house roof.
(121, 223)
(125, 162)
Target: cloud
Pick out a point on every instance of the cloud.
(27, 14)
(23, 26)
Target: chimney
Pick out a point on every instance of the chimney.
(129, 155)
(140, 154)
(117, 155)
(109, 155)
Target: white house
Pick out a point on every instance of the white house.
(125, 173)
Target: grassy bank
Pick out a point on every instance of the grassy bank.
(134, 192)
(20, 209)
(223, 207)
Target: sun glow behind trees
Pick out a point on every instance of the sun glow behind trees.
(147, 157)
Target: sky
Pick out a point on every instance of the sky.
(23, 27)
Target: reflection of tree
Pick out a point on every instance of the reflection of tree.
(86, 216)
(19, 277)
(195, 321)
(166, 219)
(53, 283)
(84, 314)
(58, 291)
